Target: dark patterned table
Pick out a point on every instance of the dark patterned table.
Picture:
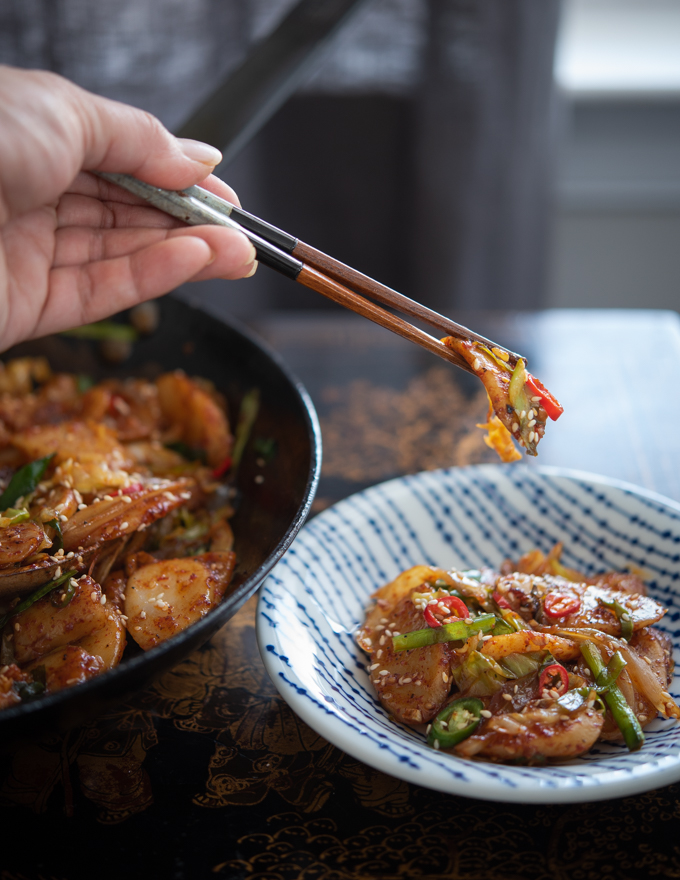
(209, 774)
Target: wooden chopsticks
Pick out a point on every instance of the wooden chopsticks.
(299, 261)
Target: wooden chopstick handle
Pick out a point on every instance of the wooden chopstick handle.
(332, 289)
(355, 280)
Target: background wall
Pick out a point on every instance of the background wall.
(616, 232)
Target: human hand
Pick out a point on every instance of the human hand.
(75, 249)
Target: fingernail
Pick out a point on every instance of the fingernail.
(197, 151)
(253, 270)
(213, 257)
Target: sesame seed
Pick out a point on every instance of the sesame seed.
(388, 633)
(477, 364)
(507, 697)
(515, 427)
(485, 713)
(535, 399)
(444, 725)
(523, 414)
(142, 615)
(428, 728)
(70, 554)
(382, 640)
(378, 654)
(57, 572)
(259, 479)
(436, 744)
(93, 596)
(60, 552)
(532, 423)
(383, 672)
(380, 627)
(445, 677)
(383, 620)
(395, 633)
(418, 682)
(138, 629)
(374, 666)
(647, 661)
(141, 527)
(63, 517)
(17, 627)
(368, 642)
(387, 696)
(102, 601)
(126, 499)
(124, 525)
(486, 638)
(531, 414)
(531, 436)
(407, 681)
(108, 498)
(516, 688)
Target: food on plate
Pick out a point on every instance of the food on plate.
(114, 519)
(531, 663)
(519, 404)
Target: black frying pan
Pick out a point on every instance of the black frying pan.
(269, 514)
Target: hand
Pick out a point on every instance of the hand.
(74, 249)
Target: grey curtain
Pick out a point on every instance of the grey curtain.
(420, 151)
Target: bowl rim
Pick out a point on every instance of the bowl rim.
(215, 619)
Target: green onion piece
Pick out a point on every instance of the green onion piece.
(104, 330)
(455, 722)
(29, 690)
(575, 698)
(16, 515)
(521, 665)
(516, 393)
(191, 453)
(58, 540)
(24, 481)
(608, 676)
(265, 447)
(502, 627)
(84, 382)
(449, 632)
(501, 363)
(624, 716)
(61, 600)
(44, 590)
(623, 615)
(250, 406)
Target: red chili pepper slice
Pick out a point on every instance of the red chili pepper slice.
(558, 605)
(548, 676)
(550, 404)
(453, 603)
(130, 490)
(221, 469)
(501, 601)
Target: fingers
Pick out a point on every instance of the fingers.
(82, 294)
(53, 129)
(233, 254)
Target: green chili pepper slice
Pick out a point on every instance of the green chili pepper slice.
(624, 716)
(608, 676)
(44, 590)
(623, 615)
(449, 632)
(455, 722)
(24, 481)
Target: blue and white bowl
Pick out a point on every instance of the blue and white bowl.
(313, 602)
